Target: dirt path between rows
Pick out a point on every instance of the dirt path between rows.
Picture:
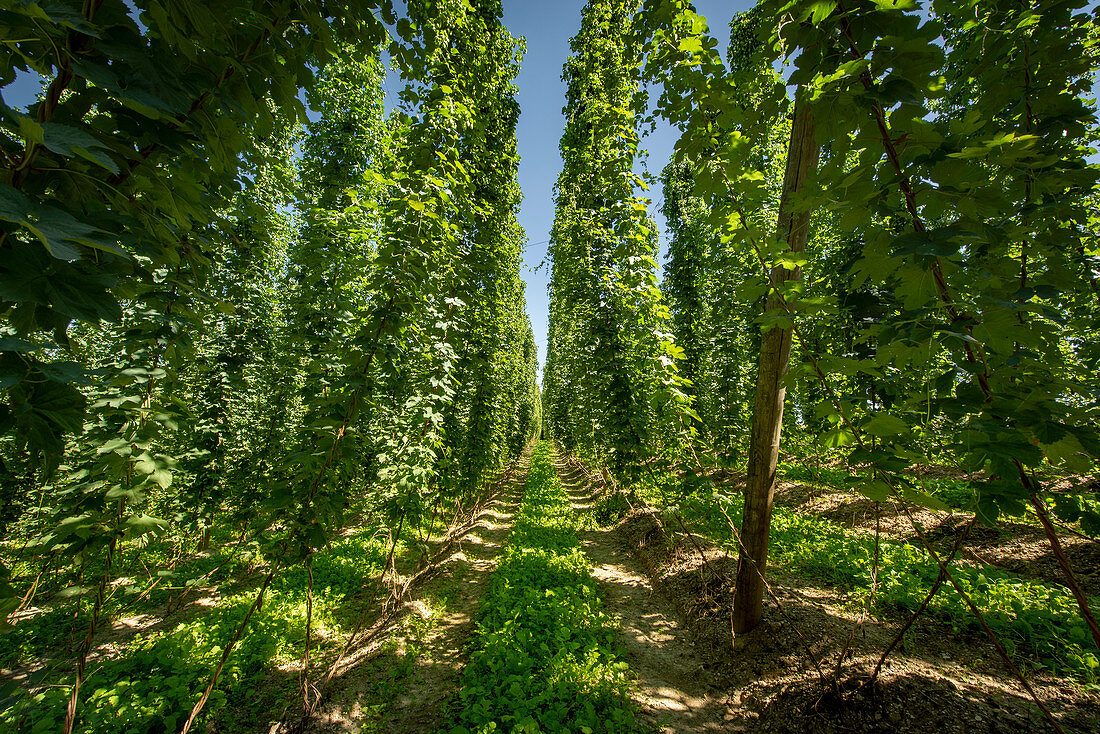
(419, 706)
(673, 691)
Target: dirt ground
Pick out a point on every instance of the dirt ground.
(672, 593)
(784, 675)
(674, 691)
(437, 620)
(1018, 547)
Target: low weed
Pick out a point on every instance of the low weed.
(151, 685)
(1037, 620)
(544, 657)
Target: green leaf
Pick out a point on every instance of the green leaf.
(10, 344)
(819, 11)
(1090, 523)
(162, 477)
(30, 130)
(875, 489)
(45, 410)
(69, 141)
(14, 205)
(885, 425)
(138, 525)
(924, 499)
(133, 495)
(114, 445)
(838, 436)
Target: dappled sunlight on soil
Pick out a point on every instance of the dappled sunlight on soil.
(673, 688)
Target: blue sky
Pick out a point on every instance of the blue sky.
(548, 26)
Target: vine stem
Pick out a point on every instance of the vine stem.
(775, 597)
(870, 600)
(86, 646)
(25, 602)
(309, 631)
(74, 42)
(1060, 554)
(807, 650)
(228, 649)
(923, 605)
(909, 195)
(349, 413)
(455, 530)
(309, 706)
(353, 637)
(782, 301)
(113, 547)
(698, 549)
(946, 572)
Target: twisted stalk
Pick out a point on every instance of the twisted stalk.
(228, 649)
(807, 650)
(946, 573)
(86, 646)
(923, 605)
(867, 607)
(309, 707)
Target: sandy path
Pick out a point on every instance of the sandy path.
(673, 690)
(440, 666)
(419, 706)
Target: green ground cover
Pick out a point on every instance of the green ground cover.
(158, 675)
(544, 657)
